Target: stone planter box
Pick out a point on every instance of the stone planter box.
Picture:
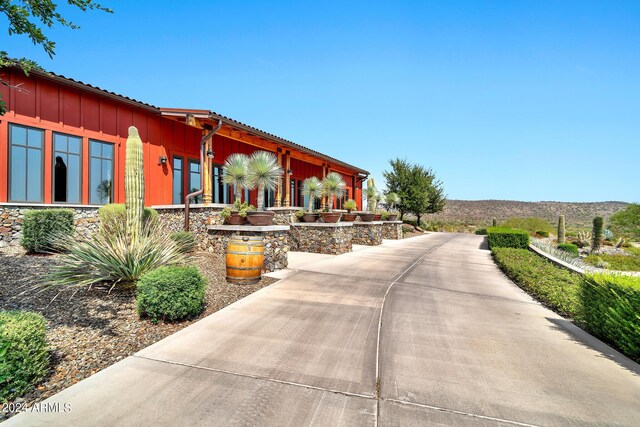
(200, 216)
(321, 238)
(367, 233)
(276, 242)
(392, 230)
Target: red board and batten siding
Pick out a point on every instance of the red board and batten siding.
(44, 104)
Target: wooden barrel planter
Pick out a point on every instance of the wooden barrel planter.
(245, 257)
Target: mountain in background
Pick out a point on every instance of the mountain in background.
(481, 212)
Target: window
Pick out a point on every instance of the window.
(25, 164)
(67, 175)
(300, 195)
(194, 179)
(269, 198)
(220, 189)
(292, 193)
(178, 180)
(100, 173)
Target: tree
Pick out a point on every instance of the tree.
(398, 182)
(29, 17)
(626, 222)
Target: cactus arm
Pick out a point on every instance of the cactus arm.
(134, 184)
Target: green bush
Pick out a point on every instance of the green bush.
(185, 240)
(414, 222)
(481, 231)
(611, 310)
(627, 222)
(501, 237)
(542, 233)
(42, 227)
(569, 248)
(556, 287)
(24, 353)
(615, 261)
(171, 293)
(531, 225)
(115, 212)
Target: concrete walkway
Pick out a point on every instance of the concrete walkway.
(457, 344)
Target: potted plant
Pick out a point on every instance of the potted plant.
(349, 205)
(332, 186)
(263, 173)
(235, 173)
(392, 200)
(311, 187)
(376, 200)
(299, 215)
(370, 192)
(237, 215)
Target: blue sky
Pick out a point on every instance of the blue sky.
(513, 100)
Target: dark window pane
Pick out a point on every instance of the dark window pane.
(60, 174)
(34, 175)
(18, 173)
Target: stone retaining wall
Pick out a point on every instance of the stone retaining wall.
(392, 230)
(367, 233)
(320, 238)
(11, 217)
(200, 216)
(284, 216)
(276, 242)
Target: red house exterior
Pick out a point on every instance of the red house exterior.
(62, 142)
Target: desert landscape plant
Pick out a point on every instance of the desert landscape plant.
(561, 230)
(312, 188)
(236, 174)
(333, 186)
(371, 193)
(350, 205)
(263, 173)
(41, 229)
(503, 237)
(392, 200)
(134, 184)
(626, 222)
(597, 233)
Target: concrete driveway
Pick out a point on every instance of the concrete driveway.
(457, 344)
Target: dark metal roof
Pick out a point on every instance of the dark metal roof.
(227, 120)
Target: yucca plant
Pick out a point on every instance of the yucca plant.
(350, 205)
(236, 174)
(392, 200)
(371, 192)
(263, 173)
(333, 186)
(312, 187)
(111, 256)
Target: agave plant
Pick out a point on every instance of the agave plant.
(333, 186)
(392, 200)
(312, 187)
(236, 174)
(263, 173)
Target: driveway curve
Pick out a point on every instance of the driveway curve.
(421, 331)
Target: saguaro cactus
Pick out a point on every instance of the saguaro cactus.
(561, 230)
(371, 195)
(598, 223)
(494, 222)
(134, 184)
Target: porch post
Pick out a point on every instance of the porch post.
(279, 190)
(324, 198)
(207, 196)
(287, 180)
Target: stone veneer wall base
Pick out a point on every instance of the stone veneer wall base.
(367, 233)
(321, 238)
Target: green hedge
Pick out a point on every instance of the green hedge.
(501, 237)
(42, 226)
(570, 248)
(116, 212)
(171, 293)
(556, 287)
(24, 353)
(611, 310)
(481, 231)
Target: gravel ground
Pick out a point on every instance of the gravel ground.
(96, 328)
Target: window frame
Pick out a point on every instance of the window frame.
(173, 177)
(10, 163)
(53, 172)
(113, 166)
(190, 161)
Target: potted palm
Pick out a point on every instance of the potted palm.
(349, 205)
(370, 192)
(263, 173)
(392, 200)
(376, 200)
(235, 173)
(311, 187)
(332, 186)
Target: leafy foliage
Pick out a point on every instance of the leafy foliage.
(333, 186)
(554, 286)
(114, 213)
(481, 231)
(611, 310)
(171, 293)
(263, 173)
(42, 227)
(615, 261)
(569, 248)
(24, 352)
(502, 237)
(350, 205)
(627, 222)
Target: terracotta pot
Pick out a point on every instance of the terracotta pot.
(310, 217)
(331, 217)
(349, 217)
(366, 217)
(377, 217)
(392, 217)
(236, 219)
(260, 218)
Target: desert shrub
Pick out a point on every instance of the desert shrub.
(542, 233)
(413, 222)
(111, 256)
(610, 307)
(185, 240)
(556, 287)
(501, 237)
(24, 352)
(171, 293)
(615, 261)
(115, 213)
(481, 231)
(627, 222)
(597, 233)
(569, 248)
(633, 251)
(532, 225)
(42, 227)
